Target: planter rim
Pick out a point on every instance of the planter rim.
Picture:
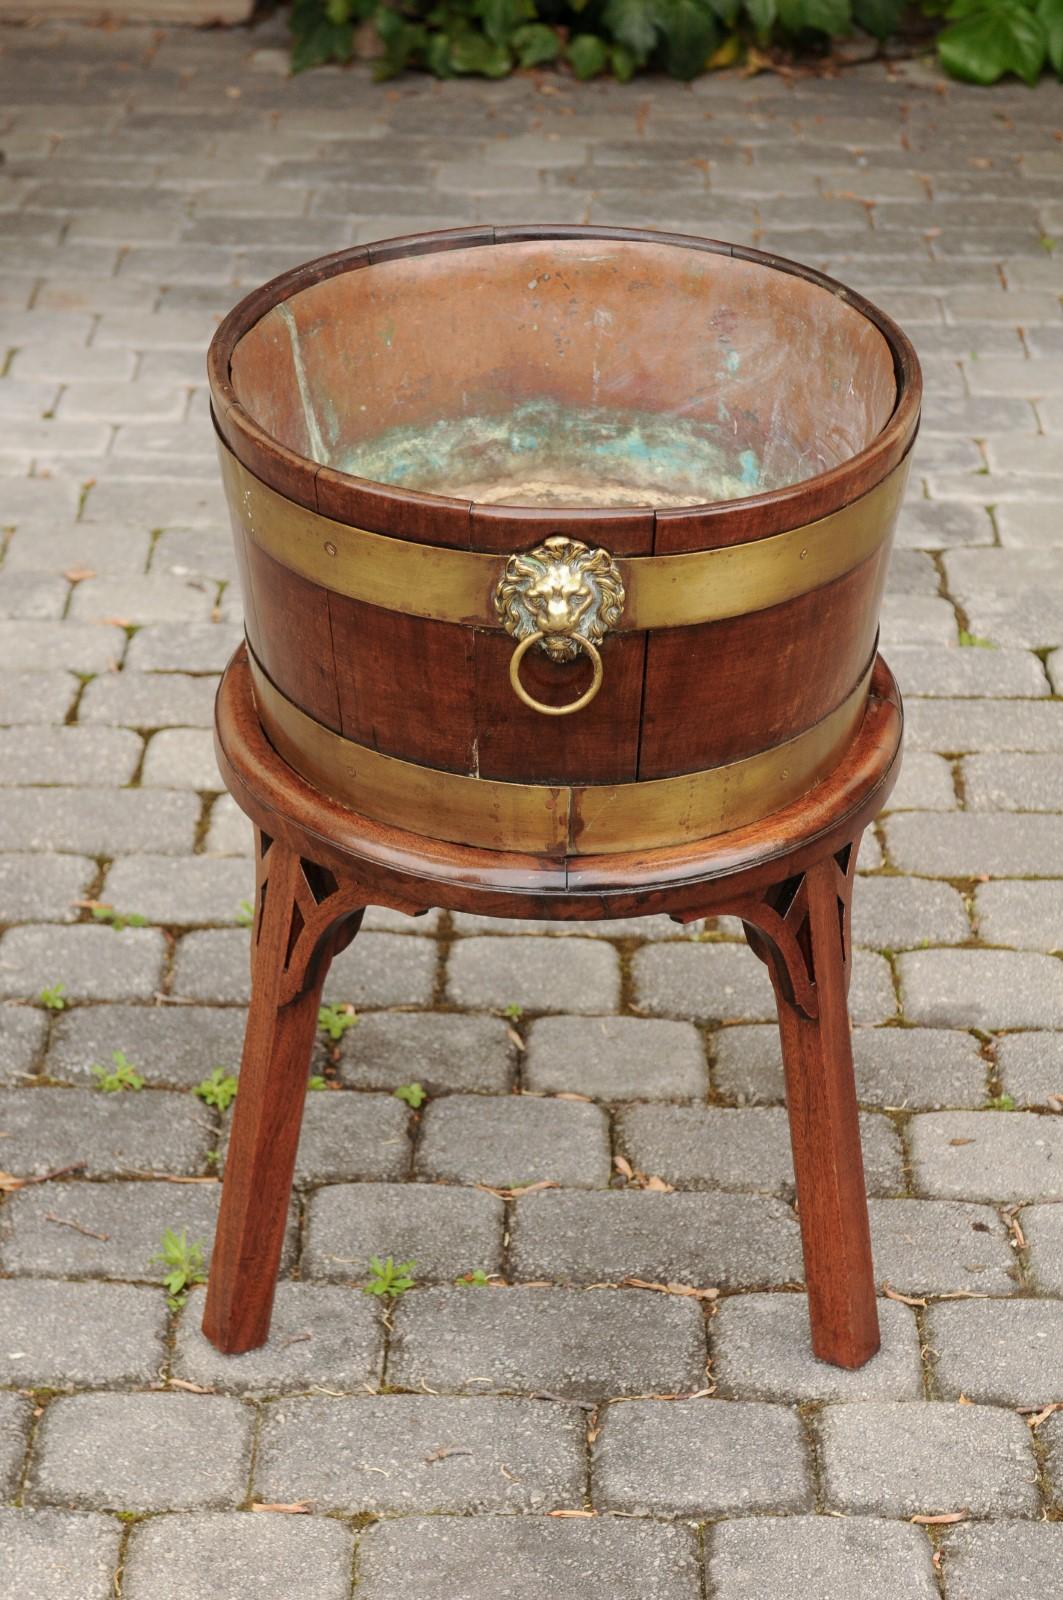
(387, 507)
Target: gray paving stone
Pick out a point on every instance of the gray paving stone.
(818, 1558)
(897, 1068)
(941, 1247)
(212, 965)
(229, 832)
(441, 1558)
(577, 1343)
(714, 1147)
(153, 1131)
(495, 973)
(36, 696)
(124, 1223)
(22, 1036)
(15, 1417)
(925, 784)
(178, 1045)
(32, 595)
(97, 1333)
(726, 982)
(94, 963)
(319, 1335)
(62, 755)
(55, 1555)
(1002, 1352)
(903, 1460)
(988, 1155)
(901, 913)
(760, 1351)
(976, 844)
(1043, 1228)
(938, 525)
(347, 1135)
(139, 599)
(445, 1231)
(384, 969)
(984, 1560)
(149, 700)
(1013, 782)
(212, 1556)
(179, 891)
(399, 1453)
(98, 822)
(616, 1058)
(697, 1458)
(439, 1051)
(43, 888)
(1031, 1067)
(731, 1241)
(141, 1452)
(181, 758)
(509, 1141)
(79, 647)
(1023, 914)
(183, 647)
(958, 727)
(1051, 1436)
(980, 988)
(917, 619)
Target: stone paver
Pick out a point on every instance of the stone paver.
(902, 1460)
(399, 1453)
(698, 1458)
(818, 1558)
(142, 1452)
(153, 176)
(54, 1555)
(213, 1556)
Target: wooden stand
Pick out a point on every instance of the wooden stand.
(789, 878)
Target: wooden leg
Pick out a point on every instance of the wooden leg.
(821, 1101)
(301, 922)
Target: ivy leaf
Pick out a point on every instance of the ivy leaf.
(632, 25)
(690, 36)
(318, 41)
(822, 16)
(587, 55)
(500, 17)
(623, 63)
(984, 46)
(762, 14)
(474, 53)
(880, 18)
(1049, 14)
(535, 43)
(727, 11)
(401, 41)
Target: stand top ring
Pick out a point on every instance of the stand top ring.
(412, 873)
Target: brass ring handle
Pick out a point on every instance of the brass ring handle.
(537, 705)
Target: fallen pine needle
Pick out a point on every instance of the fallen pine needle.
(68, 1222)
(625, 1169)
(193, 1388)
(9, 1183)
(905, 1299)
(297, 1508)
(296, 1338)
(168, 1177)
(1042, 1416)
(673, 1288)
(941, 1519)
(447, 1450)
(572, 1513)
(514, 1194)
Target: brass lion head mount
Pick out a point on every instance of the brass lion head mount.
(564, 591)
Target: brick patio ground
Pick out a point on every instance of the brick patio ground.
(150, 178)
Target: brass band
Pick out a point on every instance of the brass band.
(588, 819)
(454, 585)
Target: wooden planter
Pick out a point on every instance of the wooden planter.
(715, 440)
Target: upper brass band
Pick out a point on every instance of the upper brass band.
(559, 819)
(456, 585)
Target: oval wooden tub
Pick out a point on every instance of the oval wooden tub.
(714, 441)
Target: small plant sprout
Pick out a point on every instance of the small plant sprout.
(118, 919)
(335, 1019)
(184, 1264)
(217, 1090)
(124, 1075)
(974, 641)
(388, 1278)
(52, 997)
(316, 1081)
(412, 1093)
(513, 1011)
(477, 1279)
(1001, 1102)
(245, 914)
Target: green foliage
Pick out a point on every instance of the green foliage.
(217, 1090)
(124, 1076)
(316, 1081)
(335, 1019)
(184, 1264)
(52, 997)
(412, 1093)
(974, 641)
(244, 914)
(388, 1278)
(980, 40)
(117, 919)
(1001, 1102)
(513, 1011)
(477, 1279)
